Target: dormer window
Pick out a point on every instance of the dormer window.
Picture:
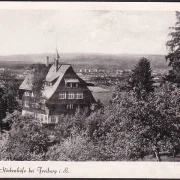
(71, 83)
(68, 85)
(75, 85)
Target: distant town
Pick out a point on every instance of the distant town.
(97, 76)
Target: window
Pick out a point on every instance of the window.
(62, 95)
(79, 95)
(35, 105)
(68, 85)
(71, 82)
(27, 93)
(74, 85)
(53, 119)
(70, 106)
(70, 95)
(26, 103)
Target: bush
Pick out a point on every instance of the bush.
(75, 148)
(26, 140)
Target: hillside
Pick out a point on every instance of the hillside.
(117, 61)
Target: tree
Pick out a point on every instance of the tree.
(26, 140)
(99, 106)
(141, 79)
(95, 125)
(38, 74)
(8, 94)
(173, 57)
(147, 126)
(8, 81)
(75, 148)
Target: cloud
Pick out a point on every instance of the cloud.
(84, 31)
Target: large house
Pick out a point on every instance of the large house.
(64, 91)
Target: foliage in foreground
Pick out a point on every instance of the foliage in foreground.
(8, 95)
(129, 129)
(173, 56)
(25, 141)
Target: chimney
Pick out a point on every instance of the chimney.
(47, 61)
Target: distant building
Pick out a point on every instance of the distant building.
(2, 69)
(64, 92)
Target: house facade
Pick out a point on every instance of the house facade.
(64, 91)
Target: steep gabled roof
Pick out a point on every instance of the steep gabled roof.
(52, 74)
(27, 83)
(49, 91)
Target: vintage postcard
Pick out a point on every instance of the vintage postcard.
(89, 90)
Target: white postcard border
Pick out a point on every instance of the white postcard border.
(92, 169)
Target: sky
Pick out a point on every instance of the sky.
(112, 32)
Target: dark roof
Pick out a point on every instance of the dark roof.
(52, 75)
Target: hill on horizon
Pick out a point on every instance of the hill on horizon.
(88, 60)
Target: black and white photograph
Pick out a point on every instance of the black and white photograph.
(89, 85)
